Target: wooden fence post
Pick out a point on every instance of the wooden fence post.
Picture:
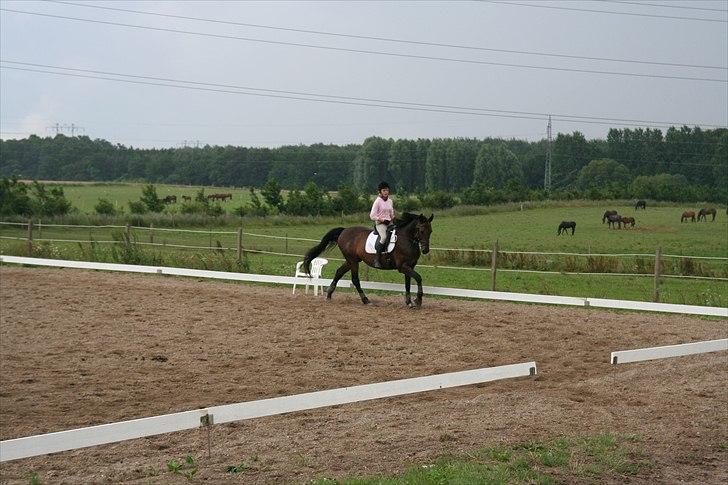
(286, 243)
(494, 265)
(656, 290)
(240, 244)
(30, 238)
(40, 229)
(128, 235)
(151, 232)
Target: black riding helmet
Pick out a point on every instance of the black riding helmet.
(382, 185)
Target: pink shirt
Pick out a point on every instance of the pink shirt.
(382, 210)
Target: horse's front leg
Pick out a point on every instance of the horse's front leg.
(407, 295)
(407, 271)
(357, 283)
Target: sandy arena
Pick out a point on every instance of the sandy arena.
(81, 348)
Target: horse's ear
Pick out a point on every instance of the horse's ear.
(432, 216)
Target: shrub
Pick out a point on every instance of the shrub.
(105, 207)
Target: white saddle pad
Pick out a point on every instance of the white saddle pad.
(372, 240)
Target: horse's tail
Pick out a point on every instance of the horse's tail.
(328, 241)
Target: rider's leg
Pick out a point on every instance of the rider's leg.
(379, 246)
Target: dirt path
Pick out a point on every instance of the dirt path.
(79, 348)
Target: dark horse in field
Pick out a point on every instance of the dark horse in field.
(613, 219)
(606, 215)
(702, 213)
(413, 234)
(566, 225)
(640, 203)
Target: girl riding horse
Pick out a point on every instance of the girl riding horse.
(413, 239)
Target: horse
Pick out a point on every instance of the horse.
(614, 219)
(641, 203)
(607, 214)
(566, 225)
(186, 198)
(170, 199)
(702, 213)
(627, 220)
(687, 215)
(413, 238)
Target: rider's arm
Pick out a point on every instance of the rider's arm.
(375, 210)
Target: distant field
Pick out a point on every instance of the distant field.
(84, 196)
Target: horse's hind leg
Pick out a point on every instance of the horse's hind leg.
(339, 273)
(357, 283)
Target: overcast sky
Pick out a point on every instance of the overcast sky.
(165, 116)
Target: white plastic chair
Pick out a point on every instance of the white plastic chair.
(317, 266)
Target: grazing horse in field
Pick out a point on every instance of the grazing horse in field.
(687, 215)
(566, 225)
(614, 219)
(606, 215)
(413, 234)
(702, 213)
(627, 220)
(640, 203)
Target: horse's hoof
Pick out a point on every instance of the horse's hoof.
(366, 301)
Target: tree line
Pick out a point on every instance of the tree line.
(601, 167)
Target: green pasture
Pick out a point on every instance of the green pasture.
(516, 230)
(85, 196)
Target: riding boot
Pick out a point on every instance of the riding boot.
(377, 257)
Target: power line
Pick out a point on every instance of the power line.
(306, 96)
(574, 9)
(372, 52)
(388, 39)
(644, 4)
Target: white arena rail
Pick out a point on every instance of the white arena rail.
(651, 353)
(14, 449)
(430, 290)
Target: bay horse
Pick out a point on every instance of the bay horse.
(702, 213)
(614, 219)
(606, 215)
(413, 239)
(687, 215)
(627, 220)
(564, 226)
(641, 203)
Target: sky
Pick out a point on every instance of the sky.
(220, 83)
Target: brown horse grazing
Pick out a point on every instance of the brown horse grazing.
(702, 213)
(606, 215)
(413, 234)
(627, 220)
(687, 215)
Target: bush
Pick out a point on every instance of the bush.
(14, 199)
(137, 207)
(150, 199)
(104, 207)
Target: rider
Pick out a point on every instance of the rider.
(382, 214)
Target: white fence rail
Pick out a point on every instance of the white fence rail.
(430, 290)
(651, 353)
(138, 428)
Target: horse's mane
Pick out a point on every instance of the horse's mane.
(406, 218)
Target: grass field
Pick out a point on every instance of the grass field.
(516, 230)
(84, 196)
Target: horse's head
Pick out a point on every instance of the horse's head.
(423, 229)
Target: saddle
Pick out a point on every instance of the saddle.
(370, 246)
